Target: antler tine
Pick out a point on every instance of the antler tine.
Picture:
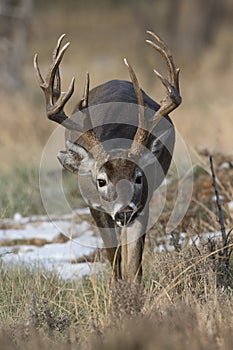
(165, 52)
(141, 134)
(55, 100)
(83, 106)
(159, 40)
(47, 84)
(86, 91)
(58, 47)
(135, 83)
(37, 69)
(89, 136)
(57, 80)
(172, 99)
(54, 69)
(84, 102)
(65, 96)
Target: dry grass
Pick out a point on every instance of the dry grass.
(179, 305)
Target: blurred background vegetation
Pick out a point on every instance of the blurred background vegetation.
(102, 33)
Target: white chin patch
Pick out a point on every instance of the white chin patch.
(119, 224)
(133, 206)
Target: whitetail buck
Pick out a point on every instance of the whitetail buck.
(117, 178)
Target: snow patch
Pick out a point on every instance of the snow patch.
(53, 257)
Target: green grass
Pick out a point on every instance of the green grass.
(20, 191)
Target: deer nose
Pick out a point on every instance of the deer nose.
(123, 217)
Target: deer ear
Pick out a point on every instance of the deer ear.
(76, 159)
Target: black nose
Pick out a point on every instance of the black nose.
(125, 216)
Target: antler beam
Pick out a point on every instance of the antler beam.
(56, 100)
(171, 100)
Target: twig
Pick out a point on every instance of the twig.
(225, 248)
(220, 212)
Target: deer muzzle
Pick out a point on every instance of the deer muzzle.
(125, 216)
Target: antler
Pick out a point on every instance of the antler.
(51, 86)
(56, 100)
(141, 134)
(171, 100)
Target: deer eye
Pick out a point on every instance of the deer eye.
(138, 179)
(101, 182)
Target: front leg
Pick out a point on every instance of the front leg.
(132, 241)
(134, 259)
(109, 235)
